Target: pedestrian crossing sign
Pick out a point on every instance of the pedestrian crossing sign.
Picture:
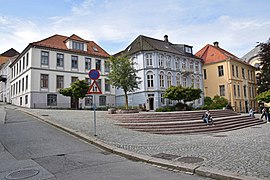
(94, 88)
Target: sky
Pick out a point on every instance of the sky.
(238, 25)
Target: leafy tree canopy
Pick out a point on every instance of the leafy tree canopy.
(264, 54)
(123, 75)
(264, 97)
(182, 93)
(78, 89)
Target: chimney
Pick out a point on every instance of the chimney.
(216, 44)
(166, 38)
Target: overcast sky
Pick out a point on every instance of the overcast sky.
(236, 24)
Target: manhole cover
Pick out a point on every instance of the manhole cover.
(190, 159)
(22, 174)
(220, 135)
(165, 156)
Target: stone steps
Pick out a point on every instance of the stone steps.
(188, 123)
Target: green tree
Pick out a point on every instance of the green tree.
(219, 102)
(123, 75)
(264, 54)
(179, 93)
(264, 97)
(77, 90)
(208, 101)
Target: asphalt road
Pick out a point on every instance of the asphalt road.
(31, 149)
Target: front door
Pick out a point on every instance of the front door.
(151, 101)
(246, 106)
(73, 103)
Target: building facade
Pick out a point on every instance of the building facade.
(228, 76)
(161, 64)
(53, 63)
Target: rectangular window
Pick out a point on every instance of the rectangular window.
(184, 65)
(73, 79)
(98, 83)
(26, 99)
(88, 100)
(204, 74)
(107, 66)
(162, 101)
(16, 87)
(248, 75)
(238, 90)
(26, 82)
(74, 62)
(20, 65)
(59, 82)
(44, 78)
(27, 59)
(191, 66)
(19, 86)
(222, 90)
(233, 71)
(98, 64)
(51, 100)
(22, 84)
(102, 100)
(88, 80)
(236, 69)
(243, 73)
(197, 67)
(60, 60)
(77, 45)
(245, 90)
(168, 62)
(23, 62)
(148, 58)
(220, 71)
(234, 90)
(107, 85)
(177, 63)
(240, 106)
(87, 63)
(44, 58)
(20, 101)
(161, 60)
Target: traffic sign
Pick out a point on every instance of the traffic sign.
(94, 88)
(93, 74)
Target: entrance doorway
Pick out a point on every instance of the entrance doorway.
(73, 103)
(151, 101)
(246, 106)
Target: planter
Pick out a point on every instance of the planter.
(127, 111)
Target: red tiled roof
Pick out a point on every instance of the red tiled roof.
(59, 42)
(211, 54)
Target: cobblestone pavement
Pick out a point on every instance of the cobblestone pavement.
(245, 151)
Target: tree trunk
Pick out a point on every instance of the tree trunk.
(126, 98)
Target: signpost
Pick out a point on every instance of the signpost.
(94, 89)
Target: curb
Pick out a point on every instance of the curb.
(2, 116)
(185, 167)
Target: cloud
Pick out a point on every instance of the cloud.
(117, 23)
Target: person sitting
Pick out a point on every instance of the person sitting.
(229, 106)
(207, 118)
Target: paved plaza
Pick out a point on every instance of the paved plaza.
(244, 152)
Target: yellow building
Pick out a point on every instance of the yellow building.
(227, 76)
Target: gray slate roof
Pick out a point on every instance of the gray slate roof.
(144, 43)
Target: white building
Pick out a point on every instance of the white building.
(161, 64)
(53, 63)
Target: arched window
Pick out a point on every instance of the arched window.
(178, 79)
(198, 84)
(184, 81)
(161, 79)
(150, 80)
(169, 80)
(192, 81)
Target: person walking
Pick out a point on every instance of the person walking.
(251, 113)
(264, 114)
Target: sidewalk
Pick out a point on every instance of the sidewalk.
(240, 154)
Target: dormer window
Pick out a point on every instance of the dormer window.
(188, 49)
(95, 49)
(77, 45)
